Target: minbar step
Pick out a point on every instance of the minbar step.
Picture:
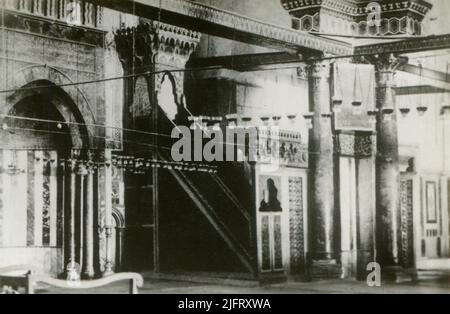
(323, 270)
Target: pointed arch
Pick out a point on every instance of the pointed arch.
(69, 99)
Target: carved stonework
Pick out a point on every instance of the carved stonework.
(319, 69)
(136, 46)
(154, 46)
(352, 17)
(49, 27)
(283, 146)
(140, 106)
(406, 223)
(235, 22)
(90, 15)
(405, 46)
(356, 144)
(388, 62)
(152, 43)
(296, 224)
(302, 72)
(386, 66)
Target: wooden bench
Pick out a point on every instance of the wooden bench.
(30, 280)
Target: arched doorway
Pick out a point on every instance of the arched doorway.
(40, 200)
(117, 236)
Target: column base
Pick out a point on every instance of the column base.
(398, 274)
(88, 275)
(325, 269)
(108, 273)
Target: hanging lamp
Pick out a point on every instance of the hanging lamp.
(337, 99)
(421, 109)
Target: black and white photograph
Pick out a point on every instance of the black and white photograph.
(224, 152)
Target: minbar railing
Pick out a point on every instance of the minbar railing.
(270, 144)
(82, 13)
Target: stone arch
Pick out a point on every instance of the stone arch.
(68, 99)
(118, 238)
(118, 218)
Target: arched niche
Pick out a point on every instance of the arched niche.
(60, 90)
(41, 117)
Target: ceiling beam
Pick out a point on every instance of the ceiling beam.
(213, 21)
(419, 90)
(412, 45)
(216, 22)
(425, 72)
(246, 62)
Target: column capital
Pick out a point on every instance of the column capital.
(320, 69)
(387, 62)
(153, 42)
(82, 170)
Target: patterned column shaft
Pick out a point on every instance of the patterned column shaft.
(88, 262)
(321, 144)
(387, 165)
(108, 213)
(72, 178)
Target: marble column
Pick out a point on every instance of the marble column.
(88, 254)
(322, 161)
(71, 193)
(357, 200)
(108, 214)
(387, 164)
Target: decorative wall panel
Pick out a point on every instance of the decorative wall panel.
(265, 243)
(277, 243)
(406, 228)
(296, 223)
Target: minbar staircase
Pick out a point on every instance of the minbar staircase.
(219, 204)
(230, 220)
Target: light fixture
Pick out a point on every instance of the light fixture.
(445, 110)
(276, 119)
(265, 120)
(405, 111)
(246, 121)
(421, 110)
(291, 117)
(372, 113)
(337, 100)
(357, 103)
(337, 103)
(357, 98)
(231, 120)
(387, 111)
(309, 117)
